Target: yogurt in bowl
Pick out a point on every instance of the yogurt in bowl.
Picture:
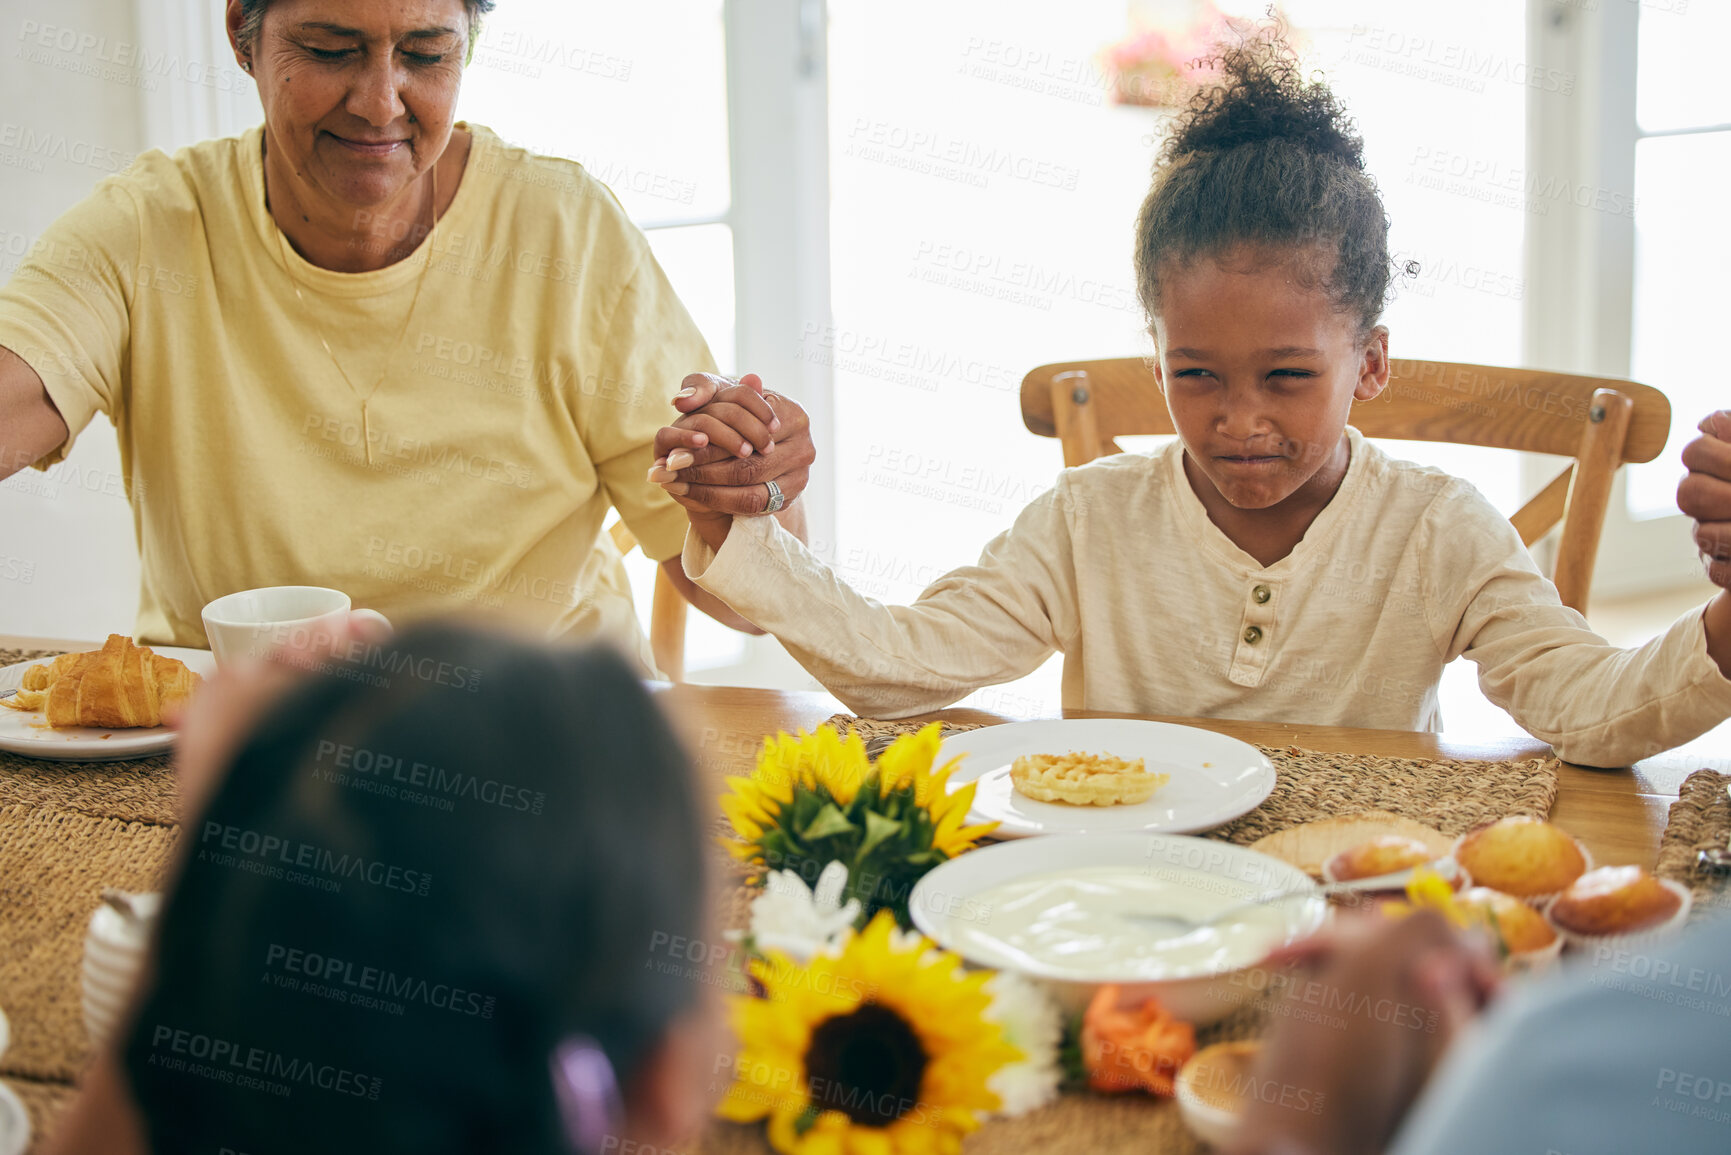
(1058, 909)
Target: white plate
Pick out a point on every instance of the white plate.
(1214, 778)
(14, 1123)
(28, 733)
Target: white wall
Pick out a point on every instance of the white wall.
(68, 116)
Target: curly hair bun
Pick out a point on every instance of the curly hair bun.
(1263, 96)
(1267, 159)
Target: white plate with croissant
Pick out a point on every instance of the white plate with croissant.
(103, 705)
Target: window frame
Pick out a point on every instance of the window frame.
(1580, 264)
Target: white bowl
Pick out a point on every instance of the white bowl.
(945, 902)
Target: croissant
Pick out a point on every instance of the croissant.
(119, 686)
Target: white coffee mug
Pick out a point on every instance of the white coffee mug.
(252, 623)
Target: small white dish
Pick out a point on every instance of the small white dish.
(14, 1123)
(28, 733)
(1221, 1063)
(1214, 778)
(946, 906)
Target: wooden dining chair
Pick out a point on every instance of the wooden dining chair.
(1597, 422)
(666, 613)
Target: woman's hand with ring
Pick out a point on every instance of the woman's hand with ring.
(733, 439)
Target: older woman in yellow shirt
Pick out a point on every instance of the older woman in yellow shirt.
(365, 346)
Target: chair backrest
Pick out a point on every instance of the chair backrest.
(666, 613)
(1598, 422)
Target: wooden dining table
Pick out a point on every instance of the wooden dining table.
(1618, 814)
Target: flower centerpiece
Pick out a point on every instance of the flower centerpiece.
(818, 799)
(861, 1037)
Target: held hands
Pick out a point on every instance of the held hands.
(1705, 494)
(733, 438)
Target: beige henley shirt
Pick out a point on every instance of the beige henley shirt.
(1157, 611)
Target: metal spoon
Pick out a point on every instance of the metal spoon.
(1395, 881)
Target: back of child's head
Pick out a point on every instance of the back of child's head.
(405, 897)
(1266, 166)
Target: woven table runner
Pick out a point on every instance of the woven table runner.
(1700, 819)
(1446, 794)
(141, 790)
(53, 867)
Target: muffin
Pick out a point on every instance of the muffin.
(1526, 857)
(1381, 855)
(1523, 930)
(1614, 900)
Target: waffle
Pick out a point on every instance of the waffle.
(1084, 779)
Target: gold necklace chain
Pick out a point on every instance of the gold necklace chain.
(432, 247)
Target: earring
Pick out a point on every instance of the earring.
(247, 65)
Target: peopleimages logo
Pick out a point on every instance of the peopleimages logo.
(287, 858)
(361, 985)
(229, 1062)
(358, 763)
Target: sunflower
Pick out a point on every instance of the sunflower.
(882, 1049)
(818, 798)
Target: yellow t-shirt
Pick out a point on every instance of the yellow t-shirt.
(537, 365)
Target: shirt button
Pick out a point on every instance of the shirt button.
(1253, 635)
(1261, 594)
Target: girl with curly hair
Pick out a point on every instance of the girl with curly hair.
(1271, 564)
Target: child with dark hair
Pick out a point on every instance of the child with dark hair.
(425, 916)
(1271, 564)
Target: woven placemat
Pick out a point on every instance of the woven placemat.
(141, 790)
(1132, 1124)
(1447, 794)
(1699, 819)
(53, 866)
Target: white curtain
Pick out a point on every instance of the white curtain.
(199, 90)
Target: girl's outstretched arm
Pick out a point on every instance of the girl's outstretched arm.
(1595, 703)
(979, 625)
